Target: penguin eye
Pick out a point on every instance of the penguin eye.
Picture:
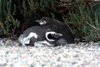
(42, 21)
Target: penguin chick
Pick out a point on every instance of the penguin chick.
(56, 26)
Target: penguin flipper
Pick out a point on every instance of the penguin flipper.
(32, 41)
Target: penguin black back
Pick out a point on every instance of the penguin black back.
(35, 29)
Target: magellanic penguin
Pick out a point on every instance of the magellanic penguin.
(57, 26)
(38, 36)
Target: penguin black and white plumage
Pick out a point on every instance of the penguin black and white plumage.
(56, 26)
(38, 36)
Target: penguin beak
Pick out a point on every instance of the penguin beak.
(38, 21)
(57, 35)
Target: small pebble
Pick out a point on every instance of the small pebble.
(75, 55)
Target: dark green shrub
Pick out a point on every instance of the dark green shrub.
(86, 21)
(6, 17)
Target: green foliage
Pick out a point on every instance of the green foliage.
(6, 17)
(86, 21)
(53, 16)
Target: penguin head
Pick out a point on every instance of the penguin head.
(41, 22)
(45, 21)
(52, 36)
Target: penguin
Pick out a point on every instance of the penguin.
(57, 26)
(38, 36)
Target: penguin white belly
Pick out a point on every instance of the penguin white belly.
(43, 43)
